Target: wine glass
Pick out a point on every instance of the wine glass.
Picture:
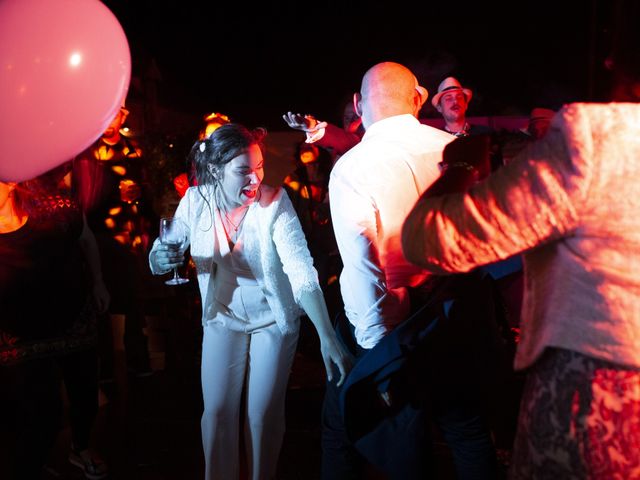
(173, 233)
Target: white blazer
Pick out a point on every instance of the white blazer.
(274, 246)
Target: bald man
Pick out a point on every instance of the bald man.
(372, 189)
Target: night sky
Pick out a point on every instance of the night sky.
(255, 62)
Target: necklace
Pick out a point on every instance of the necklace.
(460, 133)
(228, 222)
(236, 227)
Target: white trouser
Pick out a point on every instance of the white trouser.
(244, 344)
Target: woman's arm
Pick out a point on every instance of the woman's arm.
(298, 266)
(330, 347)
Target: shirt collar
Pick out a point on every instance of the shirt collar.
(460, 133)
(397, 121)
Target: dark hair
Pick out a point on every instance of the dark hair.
(224, 144)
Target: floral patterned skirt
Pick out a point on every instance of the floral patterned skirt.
(579, 419)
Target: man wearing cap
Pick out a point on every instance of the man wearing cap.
(372, 188)
(452, 101)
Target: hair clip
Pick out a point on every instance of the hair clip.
(202, 147)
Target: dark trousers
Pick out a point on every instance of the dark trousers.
(340, 459)
(464, 428)
(123, 274)
(80, 376)
(455, 412)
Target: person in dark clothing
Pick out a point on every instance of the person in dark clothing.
(308, 188)
(48, 260)
(109, 178)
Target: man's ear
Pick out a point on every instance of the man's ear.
(439, 108)
(418, 100)
(423, 94)
(357, 107)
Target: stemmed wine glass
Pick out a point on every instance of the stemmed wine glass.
(173, 233)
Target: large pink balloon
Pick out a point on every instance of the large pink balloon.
(65, 68)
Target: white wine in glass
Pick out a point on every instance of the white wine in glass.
(173, 233)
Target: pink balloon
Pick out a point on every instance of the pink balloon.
(65, 68)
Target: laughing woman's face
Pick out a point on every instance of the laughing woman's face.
(241, 178)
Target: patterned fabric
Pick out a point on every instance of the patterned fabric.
(579, 419)
(82, 334)
(44, 294)
(570, 203)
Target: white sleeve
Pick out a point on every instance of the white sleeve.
(368, 302)
(291, 246)
(533, 200)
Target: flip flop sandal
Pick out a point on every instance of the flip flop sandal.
(93, 469)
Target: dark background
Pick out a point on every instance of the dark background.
(254, 62)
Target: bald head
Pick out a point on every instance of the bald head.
(388, 89)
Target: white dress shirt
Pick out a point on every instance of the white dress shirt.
(372, 189)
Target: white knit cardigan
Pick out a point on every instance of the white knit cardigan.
(274, 246)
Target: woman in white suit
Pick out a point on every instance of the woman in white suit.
(256, 277)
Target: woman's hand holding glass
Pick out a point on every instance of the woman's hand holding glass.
(169, 254)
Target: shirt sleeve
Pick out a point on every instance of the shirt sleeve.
(370, 306)
(533, 200)
(292, 249)
(335, 138)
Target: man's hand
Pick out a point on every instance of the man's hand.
(305, 123)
